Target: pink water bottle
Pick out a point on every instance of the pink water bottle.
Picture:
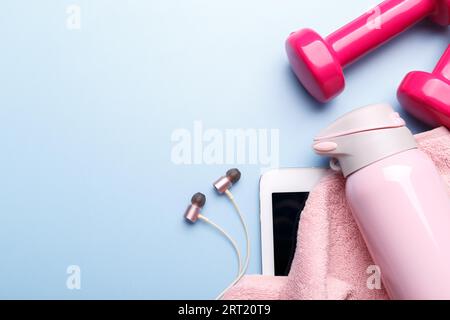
(397, 198)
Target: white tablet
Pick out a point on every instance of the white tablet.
(283, 193)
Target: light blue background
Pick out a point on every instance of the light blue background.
(86, 119)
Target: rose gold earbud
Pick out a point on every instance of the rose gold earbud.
(224, 183)
(193, 214)
(198, 200)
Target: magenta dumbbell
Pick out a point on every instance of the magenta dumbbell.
(427, 95)
(318, 63)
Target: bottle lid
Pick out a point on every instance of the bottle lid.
(364, 136)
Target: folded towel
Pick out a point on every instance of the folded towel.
(331, 259)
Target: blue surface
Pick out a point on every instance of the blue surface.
(86, 121)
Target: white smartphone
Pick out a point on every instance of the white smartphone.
(283, 193)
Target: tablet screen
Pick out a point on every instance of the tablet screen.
(286, 211)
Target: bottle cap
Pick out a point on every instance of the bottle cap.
(364, 136)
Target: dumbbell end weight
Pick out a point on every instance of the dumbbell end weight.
(426, 97)
(315, 64)
(442, 14)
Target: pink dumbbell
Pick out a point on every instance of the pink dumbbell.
(319, 63)
(427, 95)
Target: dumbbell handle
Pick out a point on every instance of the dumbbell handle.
(443, 66)
(377, 26)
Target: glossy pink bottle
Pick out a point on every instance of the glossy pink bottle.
(397, 197)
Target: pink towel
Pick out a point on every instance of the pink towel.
(331, 259)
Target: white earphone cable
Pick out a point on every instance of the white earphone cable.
(231, 240)
(247, 240)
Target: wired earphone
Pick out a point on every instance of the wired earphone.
(192, 214)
